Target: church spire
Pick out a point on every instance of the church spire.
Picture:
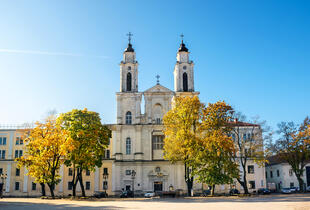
(182, 45)
(129, 48)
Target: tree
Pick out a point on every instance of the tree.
(181, 126)
(215, 149)
(46, 146)
(294, 146)
(90, 138)
(249, 147)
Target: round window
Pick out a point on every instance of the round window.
(184, 67)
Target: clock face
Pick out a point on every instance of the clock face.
(184, 67)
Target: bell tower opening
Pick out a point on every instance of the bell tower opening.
(128, 82)
(185, 82)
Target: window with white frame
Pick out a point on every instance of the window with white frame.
(128, 118)
(2, 140)
(158, 142)
(2, 154)
(128, 146)
(19, 141)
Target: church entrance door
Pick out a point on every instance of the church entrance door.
(158, 186)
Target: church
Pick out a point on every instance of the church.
(137, 137)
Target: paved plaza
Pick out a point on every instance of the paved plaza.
(272, 202)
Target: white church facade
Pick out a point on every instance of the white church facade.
(138, 138)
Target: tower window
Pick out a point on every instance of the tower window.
(128, 118)
(158, 142)
(128, 146)
(128, 81)
(185, 82)
(129, 67)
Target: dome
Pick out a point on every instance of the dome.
(183, 48)
(129, 48)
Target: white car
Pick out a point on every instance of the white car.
(286, 190)
(149, 194)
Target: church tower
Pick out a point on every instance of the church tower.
(129, 69)
(183, 71)
(129, 99)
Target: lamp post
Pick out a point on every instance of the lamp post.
(105, 186)
(133, 174)
(3, 178)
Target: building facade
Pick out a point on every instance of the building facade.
(18, 183)
(280, 173)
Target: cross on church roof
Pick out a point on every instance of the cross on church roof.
(182, 37)
(129, 36)
(157, 76)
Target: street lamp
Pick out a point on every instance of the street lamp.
(133, 174)
(3, 177)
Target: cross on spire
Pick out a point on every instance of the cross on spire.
(129, 36)
(182, 36)
(157, 76)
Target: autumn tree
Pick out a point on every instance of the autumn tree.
(90, 138)
(294, 146)
(181, 126)
(46, 146)
(249, 147)
(215, 149)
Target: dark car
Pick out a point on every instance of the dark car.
(263, 191)
(206, 193)
(126, 194)
(234, 192)
(101, 195)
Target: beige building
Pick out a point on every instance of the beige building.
(18, 183)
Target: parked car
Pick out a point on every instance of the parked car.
(149, 194)
(206, 193)
(286, 191)
(308, 188)
(101, 195)
(263, 191)
(234, 192)
(294, 189)
(126, 194)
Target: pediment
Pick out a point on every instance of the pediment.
(158, 89)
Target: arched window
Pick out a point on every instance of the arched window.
(128, 146)
(128, 81)
(185, 82)
(128, 118)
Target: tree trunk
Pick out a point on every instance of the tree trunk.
(43, 189)
(74, 181)
(245, 185)
(213, 189)
(51, 186)
(301, 183)
(81, 184)
(189, 180)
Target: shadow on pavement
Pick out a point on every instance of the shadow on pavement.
(264, 198)
(48, 206)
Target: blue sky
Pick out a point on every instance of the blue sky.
(61, 55)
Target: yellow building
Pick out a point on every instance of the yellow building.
(18, 183)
